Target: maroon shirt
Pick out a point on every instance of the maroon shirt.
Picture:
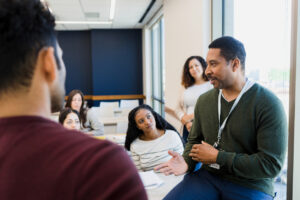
(39, 159)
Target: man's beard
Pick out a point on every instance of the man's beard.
(57, 100)
(58, 91)
(58, 95)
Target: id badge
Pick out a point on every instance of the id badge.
(214, 165)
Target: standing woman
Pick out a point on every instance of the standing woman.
(195, 83)
(90, 123)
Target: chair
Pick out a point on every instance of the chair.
(122, 112)
(103, 112)
(106, 116)
(129, 103)
(122, 126)
(110, 104)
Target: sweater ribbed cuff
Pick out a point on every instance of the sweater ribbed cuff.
(225, 159)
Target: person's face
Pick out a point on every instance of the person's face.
(76, 102)
(218, 71)
(72, 121)
(145, 120)
(57, 91)
(195, 69)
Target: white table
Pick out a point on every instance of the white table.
(169, 183)
(118, 138)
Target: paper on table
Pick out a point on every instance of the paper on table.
(117, 138)
(150, 179)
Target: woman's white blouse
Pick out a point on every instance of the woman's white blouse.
(147, 154)
(189, 97)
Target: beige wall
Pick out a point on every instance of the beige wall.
(294, 139)
(294, 126)
(187, 32)
(296, 166)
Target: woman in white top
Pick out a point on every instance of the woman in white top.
(90, 124)
(195, 83)
(150, 137)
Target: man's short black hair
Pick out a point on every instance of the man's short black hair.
(230, 49)
(26, 26)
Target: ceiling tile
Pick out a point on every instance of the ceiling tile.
(127, 12)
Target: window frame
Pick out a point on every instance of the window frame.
(160, 51)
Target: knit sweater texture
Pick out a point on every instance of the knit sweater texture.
(254, 141)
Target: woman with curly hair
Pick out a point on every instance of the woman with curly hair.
(195, 83)
(90, 124)
(150, 137)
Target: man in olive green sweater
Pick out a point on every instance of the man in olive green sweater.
(239, 134)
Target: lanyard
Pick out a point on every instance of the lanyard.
(246, 87)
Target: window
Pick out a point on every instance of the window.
(157, 67)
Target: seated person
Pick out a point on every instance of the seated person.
(150, 137)
(90, 123)
(69, 119)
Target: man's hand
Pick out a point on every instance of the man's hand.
(176, 165)
(204, 153)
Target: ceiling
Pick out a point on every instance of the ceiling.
(127, 13)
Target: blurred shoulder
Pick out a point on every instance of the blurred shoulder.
(208, 96)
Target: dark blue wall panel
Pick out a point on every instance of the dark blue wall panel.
(76, 46)
(117, 62)
(103, 62)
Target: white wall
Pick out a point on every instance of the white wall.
(187, 32)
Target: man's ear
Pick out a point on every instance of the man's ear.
(236, 64)
(47, 63)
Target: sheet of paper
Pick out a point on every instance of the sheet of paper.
(117, 138)
(150, 179)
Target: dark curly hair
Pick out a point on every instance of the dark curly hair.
(64, 113)
(83, 111)
(133, 132)
(187, 80)
(26, 26)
